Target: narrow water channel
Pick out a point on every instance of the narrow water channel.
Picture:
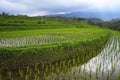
(105, 66)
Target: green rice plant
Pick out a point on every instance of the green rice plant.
(97, 71)
(118, 76)
(45, 75)
(10, 75)
(56, 65)
(52, 73)
(0, 74)
(63, 64)
(60, 78)
(28, 69)
(36, 77)
(21, 73)
(93, 78)
(53, 68)
(90, 74)
(57, 70)
(46, 68)
(80, 74)
(108, 75)
(38, 71)
(85, 74)
(26, 77)
(36, 67)
(43, 66)
(74, 60)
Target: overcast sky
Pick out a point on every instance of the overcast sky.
(48, 7)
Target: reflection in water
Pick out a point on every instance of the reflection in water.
(105, 66)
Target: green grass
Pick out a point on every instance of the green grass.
(11, 23)
(22, 33)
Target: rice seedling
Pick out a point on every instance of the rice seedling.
(21, 73)
(118, 76)
(100, 67)
(0, 74)
(26, 77)
(36, 77)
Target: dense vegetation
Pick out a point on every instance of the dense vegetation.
(113, 24)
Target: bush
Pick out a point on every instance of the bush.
(21, 21)
(18, 21)
(41, 22)
(9, 21)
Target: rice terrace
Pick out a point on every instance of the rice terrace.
(58, 47)
(77, 51)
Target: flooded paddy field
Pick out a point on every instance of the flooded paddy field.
(105, 66)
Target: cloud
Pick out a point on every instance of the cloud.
(46, 7)
(7, 5)
(43, 13)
